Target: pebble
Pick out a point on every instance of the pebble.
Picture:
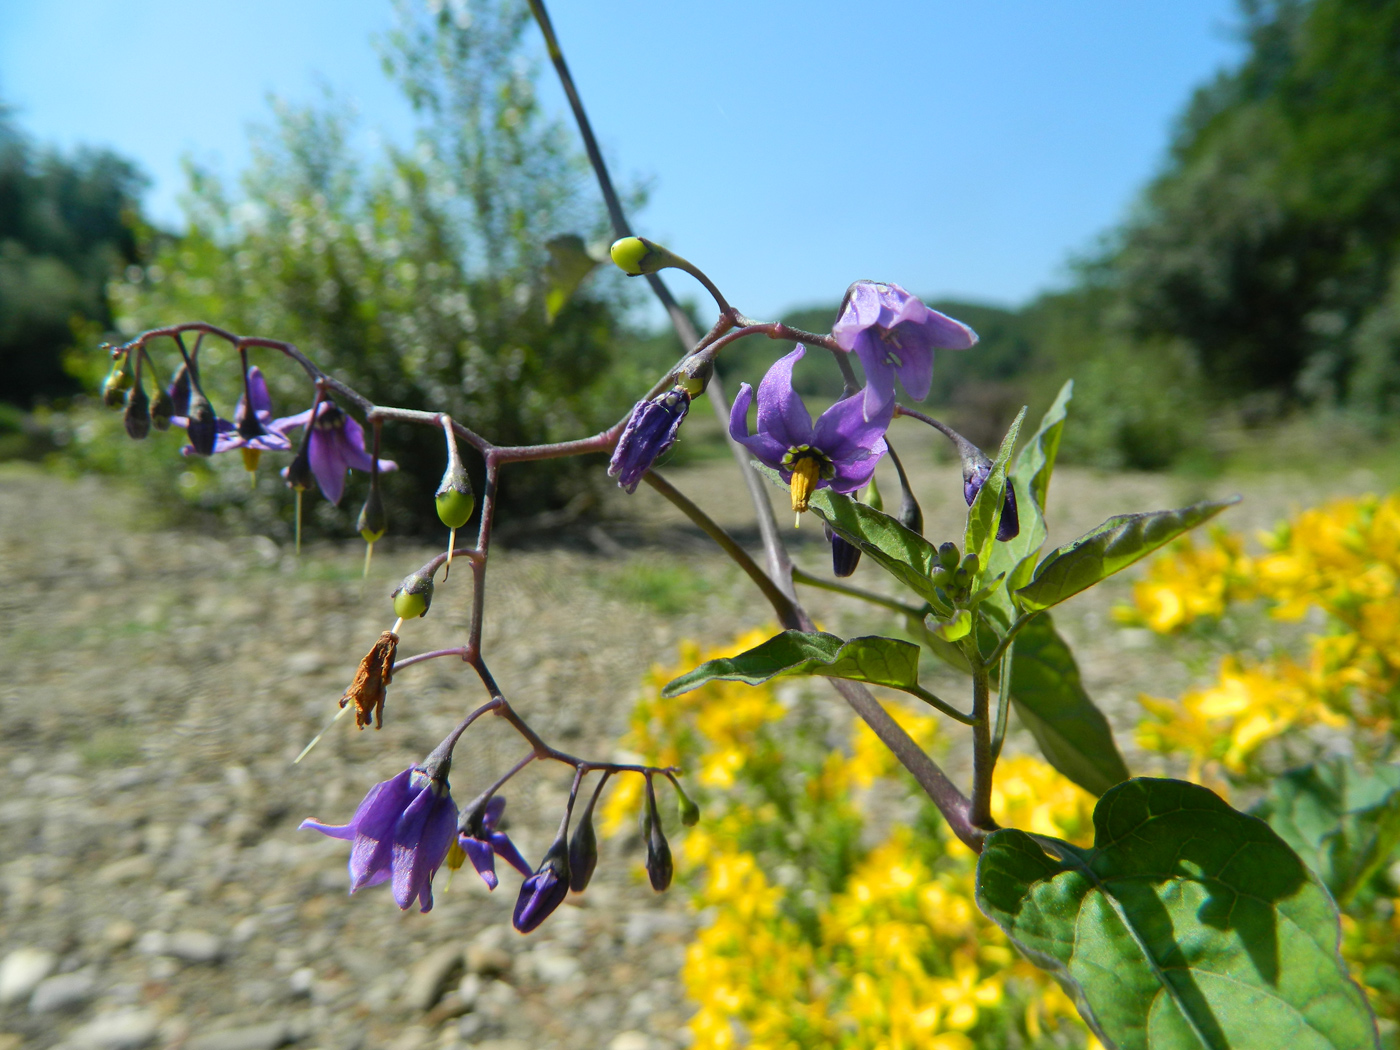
(121, 1030)
(196, 946)
(630, 1040)
(253, 1037)
(22, 970)
(430, 977)
(63, 991)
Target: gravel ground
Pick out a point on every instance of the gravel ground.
(154, 890)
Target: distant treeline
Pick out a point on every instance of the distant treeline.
(1257, 274)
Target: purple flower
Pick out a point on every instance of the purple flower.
(229, 436)
(894, 335)
(545, 890)
(650, 431)
(839, 452)
(337, 444)
(401, 831)
(482, 843)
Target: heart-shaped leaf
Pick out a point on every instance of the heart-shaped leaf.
(1188, 926)
(1051, 702)
(1343, 821)
(1111, 547)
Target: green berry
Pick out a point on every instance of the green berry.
(413, 596)
(454, 499)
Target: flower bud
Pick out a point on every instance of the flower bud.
(635, 256)
(455, 499)
(583, 852)
(137, 417)
(650, 431)
(545, 890)
(202, 426)
(844, 556)
(685, 805)
(976, 470)
(413, 596)
(660, 868)
(162, 408)
(948, 555)
(910, 516)
(373, 522)
(180, 391)
(119, 380)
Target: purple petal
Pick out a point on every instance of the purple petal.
(505, 849)
(262, 400)
(421, 840)
(781, 412)
(761, 445)
(287, 423)
(335, 831)
(374, 822)
(916, 373)
(540, 894)
(651, 430)
(856, 471)
(843, 431)
(879, 376)
(483, 859)
(327, 464)
(494, 808)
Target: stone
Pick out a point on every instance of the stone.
(554, 967)
(196, 946)
(489, 962)
(267, 1036)
(63, 991)
(22, 970)
(430, 976)
(630, 1040)
(120, 1030)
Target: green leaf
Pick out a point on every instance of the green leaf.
(1051, 702)
(1031, 480)
(569, 263)
(901, 552)
(1188, 926)
(1113, 546)
(984, 515)
(1343, 821)
(879, 661)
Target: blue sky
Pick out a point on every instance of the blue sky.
(958, 148)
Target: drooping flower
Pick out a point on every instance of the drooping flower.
(650, 431)
(975, 475)
(840, 451)
(401, 831)
(337, 444)
(482, 843)
(545, 890)
(894, 334)
(231, 435)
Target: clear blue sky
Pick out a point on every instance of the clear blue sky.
(957, 147)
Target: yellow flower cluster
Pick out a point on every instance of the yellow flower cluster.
(1343, 559)
(893, 956)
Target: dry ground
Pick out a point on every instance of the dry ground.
(159, 683)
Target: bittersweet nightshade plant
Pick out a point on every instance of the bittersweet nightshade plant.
(977, 601)
(229, 436)
(894, 334)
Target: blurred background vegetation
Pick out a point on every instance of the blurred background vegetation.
(1252, 295)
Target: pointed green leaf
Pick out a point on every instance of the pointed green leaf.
(984, 515)
(1051, 702)
(1031, 480)
(879, 661)
(1343, 821)
(901, 552)
(1188, 926)
(569, 263)
(1111, 547)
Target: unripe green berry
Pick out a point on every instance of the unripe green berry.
(948, 555)
(119, 380)
(685, 805)
(413, 596)
(454, 498)
(629, 255)
(373, 522)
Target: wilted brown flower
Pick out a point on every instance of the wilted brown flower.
(371, 681)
